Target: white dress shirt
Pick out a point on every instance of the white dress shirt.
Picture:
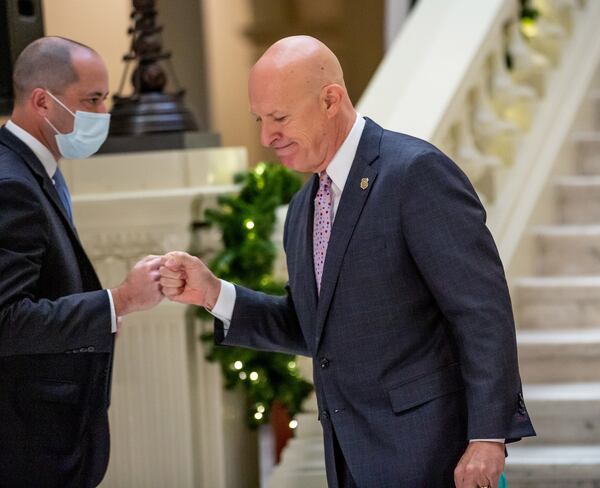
(50, 165)
(338, 170)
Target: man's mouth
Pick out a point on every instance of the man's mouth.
(283, 148)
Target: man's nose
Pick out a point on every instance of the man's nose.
(267, 134)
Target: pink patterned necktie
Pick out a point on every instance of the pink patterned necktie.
(322, 225)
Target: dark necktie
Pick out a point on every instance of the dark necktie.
(63, 192)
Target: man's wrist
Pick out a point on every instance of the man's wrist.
(120, 300)
(212, 294)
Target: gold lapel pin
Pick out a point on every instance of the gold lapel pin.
(364, 183)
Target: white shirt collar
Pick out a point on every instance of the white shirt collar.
(339, 167)
(41, 151)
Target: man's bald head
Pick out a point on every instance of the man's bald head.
(302, 60)
(47, 63)
(297, 94)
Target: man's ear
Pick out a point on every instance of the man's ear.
(332, 96)
(38, 99)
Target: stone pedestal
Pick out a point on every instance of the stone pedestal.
(171, 422)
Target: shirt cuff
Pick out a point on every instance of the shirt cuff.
(223, 309)
(501, 441)
(113, 314)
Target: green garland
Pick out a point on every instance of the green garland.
(247, 221)
(528, 15)
(528, 11)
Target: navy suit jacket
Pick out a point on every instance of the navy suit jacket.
(412, 336)
(56, 345)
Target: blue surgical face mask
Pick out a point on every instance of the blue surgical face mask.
(89, 132)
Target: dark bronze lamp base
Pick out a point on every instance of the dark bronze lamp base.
(150, 113)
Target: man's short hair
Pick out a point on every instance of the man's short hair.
(45, 63)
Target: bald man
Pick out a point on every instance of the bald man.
(57, 325)
(395, 290)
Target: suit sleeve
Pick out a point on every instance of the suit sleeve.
(30, 324)
(264, 322)
(444, 227)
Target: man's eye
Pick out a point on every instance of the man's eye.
(280, 119)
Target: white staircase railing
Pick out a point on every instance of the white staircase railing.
(446, 80)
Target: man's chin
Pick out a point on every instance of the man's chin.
(288, 162)
(295, 164)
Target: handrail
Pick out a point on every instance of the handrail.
(446, 79)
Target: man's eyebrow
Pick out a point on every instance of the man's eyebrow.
(96, 94)
(271, 114)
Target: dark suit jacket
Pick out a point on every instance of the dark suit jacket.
(412, 336)
(55, 340)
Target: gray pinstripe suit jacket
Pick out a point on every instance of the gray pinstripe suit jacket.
(412, 336)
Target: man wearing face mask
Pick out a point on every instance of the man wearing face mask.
(57, 324)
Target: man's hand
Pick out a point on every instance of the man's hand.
(480, 466)
(186, 279)
(141, 288)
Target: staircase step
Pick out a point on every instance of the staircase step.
(563, 302)
(559, 356)
(594, 101)
(298, 449)
(588, 149)
(564, 413)
(589, 112)
(568, 250)
(578, 199)
(568, 466)
(302, 465)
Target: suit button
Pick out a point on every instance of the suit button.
(522, 410)
(83, 349)
(91, 349)
(324, 363)
(324, 414)
(75, 351)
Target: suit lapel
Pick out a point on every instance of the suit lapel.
(36, 167)
(353, 199)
